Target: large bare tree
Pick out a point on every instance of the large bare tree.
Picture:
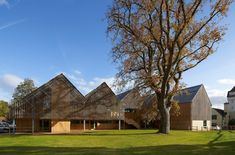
(156, 41)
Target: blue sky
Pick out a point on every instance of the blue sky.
(41, 38)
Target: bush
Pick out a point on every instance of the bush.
(231, 122)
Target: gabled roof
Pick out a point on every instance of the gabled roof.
(187, 95)
(148, 101)
(131, 99)
(122, 95)
(60, 76)
(102, 92)
(231, 93)
(101, 87)
(100, 102)
(220, 111)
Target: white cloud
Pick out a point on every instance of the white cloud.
(216, 92)
(4, 3)
(7, 84)
(227, 81)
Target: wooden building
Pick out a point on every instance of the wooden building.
(59, 107)
(130, 103)
(49, 107)
(194, 113)
(101, 110)
(195, 109)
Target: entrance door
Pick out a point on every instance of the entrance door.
(45, 125)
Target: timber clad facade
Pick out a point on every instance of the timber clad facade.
(58, 107)
(50, 107)
(195, 109)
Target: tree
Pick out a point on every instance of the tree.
(23, 89)
(231, 122)
(3, 108)
(156, 41)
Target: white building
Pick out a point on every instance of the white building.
(229, 107)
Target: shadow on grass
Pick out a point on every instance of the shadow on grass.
(215, 149)
(86, 133)
(217, 138)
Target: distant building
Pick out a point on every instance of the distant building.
(218, 118)
(230, 106)
(226, 118)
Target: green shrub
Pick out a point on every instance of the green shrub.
(231, 122)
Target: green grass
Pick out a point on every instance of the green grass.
(121, 142)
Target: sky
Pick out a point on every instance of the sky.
(41, 38)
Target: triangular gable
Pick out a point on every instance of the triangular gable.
(50, 83)
(100, 94)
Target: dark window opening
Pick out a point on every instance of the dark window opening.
(129, 110)
(214, 117)
(214, 124)
(76, 121)
(204, 123)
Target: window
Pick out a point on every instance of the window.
(204, 123)
(214, 124)
(129, 110)
(214, 117)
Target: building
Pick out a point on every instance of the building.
(102, 110)
(195, 109)
(229, 107)
(59, 107)
(226, 118)
(218, 118)
(50, 107)
(194, 114)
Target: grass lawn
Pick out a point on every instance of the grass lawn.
(122, 142)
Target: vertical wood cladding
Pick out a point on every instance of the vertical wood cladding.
(201, 106)
(183, 121)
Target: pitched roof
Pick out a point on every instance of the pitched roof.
(103, 87)
(122, 95)
(60, 76)
(231, 93)
(103, 94)
(187, 95)
(100, 102)
(148, 101)
(220, 111)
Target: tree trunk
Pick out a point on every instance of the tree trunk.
(165, 119)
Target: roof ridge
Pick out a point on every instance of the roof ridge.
(61, 75)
